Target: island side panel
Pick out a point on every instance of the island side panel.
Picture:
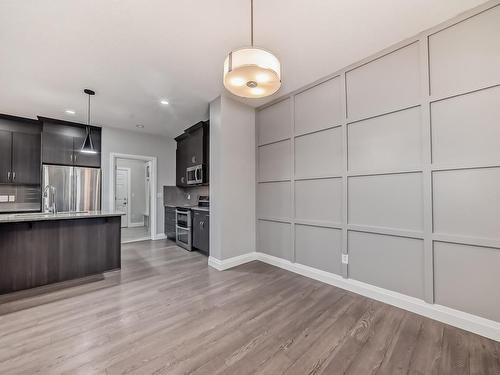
(44, 252)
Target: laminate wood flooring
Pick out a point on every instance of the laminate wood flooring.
(167, 312)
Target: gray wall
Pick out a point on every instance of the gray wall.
(137, 188)
(135, 143)
(232, 178)
(396, 162)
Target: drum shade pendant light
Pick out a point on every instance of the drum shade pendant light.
(88, 145)
(252, 72)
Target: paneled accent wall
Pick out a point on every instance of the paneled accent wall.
(394, 161)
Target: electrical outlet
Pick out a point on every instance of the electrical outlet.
(4, 198)
(345, 258)
(12, 198)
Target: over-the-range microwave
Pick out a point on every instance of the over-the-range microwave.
(194, 175)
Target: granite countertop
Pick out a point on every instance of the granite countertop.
(40, 216)
(194, 208)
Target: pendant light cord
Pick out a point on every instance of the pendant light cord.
(88, 113)
(251, 22)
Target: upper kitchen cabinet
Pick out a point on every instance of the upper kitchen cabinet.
(192, 156)
(5, 156)
(62, 142)
(26, 158)
(20, 143)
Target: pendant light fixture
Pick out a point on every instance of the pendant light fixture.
(252, 72)
(88, 145)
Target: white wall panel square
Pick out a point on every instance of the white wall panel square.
(274, 200)
(394, 263)
(467, 202)
(388, 142)
(388, 83)
(319, 154)
(318, 107)
(319, 200)
(467, 278)
(273, 238)
(466, 128)
(466, 56)
(275, 161)
(274, 122)
(391, 201)
(319, 248)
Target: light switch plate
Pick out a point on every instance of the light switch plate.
(12, 198)
(345, 258)
(4, 198)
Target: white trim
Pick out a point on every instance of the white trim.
(129, 194)
(472, 323)
(137, 224)
(153, 183)
(225, 264)
(159, 236)
(137, 240)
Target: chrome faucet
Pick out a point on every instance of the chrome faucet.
(49, 195)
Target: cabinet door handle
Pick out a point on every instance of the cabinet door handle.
(13, 176)
(71, 157)
(8, 176)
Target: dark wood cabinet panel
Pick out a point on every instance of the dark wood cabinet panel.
(26, 158)
(181, 163)
(62, 142)
(57, 148)
(5, 155)
(170, 222)
(193, 149)
(44, 252)
(201, 230)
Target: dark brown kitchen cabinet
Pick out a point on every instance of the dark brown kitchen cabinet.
(63, 141)
(170, 222)
(201, 229)
(19, 158)
(57, 148)
(26, 158)
(193, 150)
(64, 250)
(181, 161)
(5, 156)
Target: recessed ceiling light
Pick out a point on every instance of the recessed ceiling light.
(164, 102)
(139, 126)
(70, 112)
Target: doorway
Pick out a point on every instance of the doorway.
(133, 189)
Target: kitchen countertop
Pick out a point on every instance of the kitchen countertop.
(40, 216)
(206, 209)
(194, 208)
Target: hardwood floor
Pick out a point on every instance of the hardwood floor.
(167, 312)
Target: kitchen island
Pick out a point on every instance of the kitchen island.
(39, 249)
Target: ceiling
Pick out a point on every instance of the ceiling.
(134, 53)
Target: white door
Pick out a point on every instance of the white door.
(122, 193)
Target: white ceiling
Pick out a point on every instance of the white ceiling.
(135, 52)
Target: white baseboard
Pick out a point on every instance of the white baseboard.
(472, 323)
(138, 224)
(225, 264)
(159, 236)
(137, 240)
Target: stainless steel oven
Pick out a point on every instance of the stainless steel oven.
(183, 228)
(194, 175)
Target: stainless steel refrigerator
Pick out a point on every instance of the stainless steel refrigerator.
(76, 188)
